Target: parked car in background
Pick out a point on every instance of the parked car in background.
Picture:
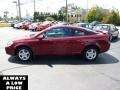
(14, 22)
(94, 23)
(33, 26)
(84, 25)
(44, 25)
(19, 25)
(60, 40)
(109, 29)
(25, 25)
(62, 23)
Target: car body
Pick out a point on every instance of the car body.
(44, 25)
(109, 29)
(14, 22)
(19, 25)
(94, 23)
(61, 23)
(25, 25)
(33, 26)
(60, 40)
(84, 25)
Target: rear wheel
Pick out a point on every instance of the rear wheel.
(24, 54)
(90, 53)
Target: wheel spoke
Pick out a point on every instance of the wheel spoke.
(24, 54)
(91, 54)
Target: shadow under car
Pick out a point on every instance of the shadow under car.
(66, 60)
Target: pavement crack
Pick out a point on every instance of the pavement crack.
(117, 80)
(1, 72)
(114, 48)
(110, 77)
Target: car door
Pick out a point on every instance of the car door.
(70, 43)
(76, 42)
(54, 42)
(44, 46)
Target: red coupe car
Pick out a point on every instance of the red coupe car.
(60, 40)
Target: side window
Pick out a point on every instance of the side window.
(87, 26)
(57, 33)
(54, 33)
(78, 33)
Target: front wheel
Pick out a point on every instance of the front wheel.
(24, 54)
(90, 53)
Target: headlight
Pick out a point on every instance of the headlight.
(9, 43)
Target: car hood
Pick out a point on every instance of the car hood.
(22, 38)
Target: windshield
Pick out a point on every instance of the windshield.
(101, 27)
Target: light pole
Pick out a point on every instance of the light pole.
(19, 10)
(16, 7)
(34, 6)
(66, 11)
(87, 6)
(34, 2)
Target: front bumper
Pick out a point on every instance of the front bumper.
(10, 50)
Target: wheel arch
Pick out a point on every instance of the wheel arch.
(21, 46)
(94, 46)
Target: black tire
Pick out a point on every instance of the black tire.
(26, 56)
(93, 57)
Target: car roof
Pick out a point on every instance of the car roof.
(82, 23)
(104, 24)
(69, 26)
(66, 26)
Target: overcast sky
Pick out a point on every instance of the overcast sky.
(52, 5)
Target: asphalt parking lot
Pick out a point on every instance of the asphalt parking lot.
(63, 73)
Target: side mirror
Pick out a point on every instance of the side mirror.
(41, 36)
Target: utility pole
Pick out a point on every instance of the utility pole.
(19, 10)
(16, 8)
(66, 11)
(34, 6)
(87, 6)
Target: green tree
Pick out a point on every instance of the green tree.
(41, 16)
(62, 14)
(36, 16)
(112, 17)
(49, 19)
(0, 18)
(95, 14)
(55, 16)
(62, 11)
